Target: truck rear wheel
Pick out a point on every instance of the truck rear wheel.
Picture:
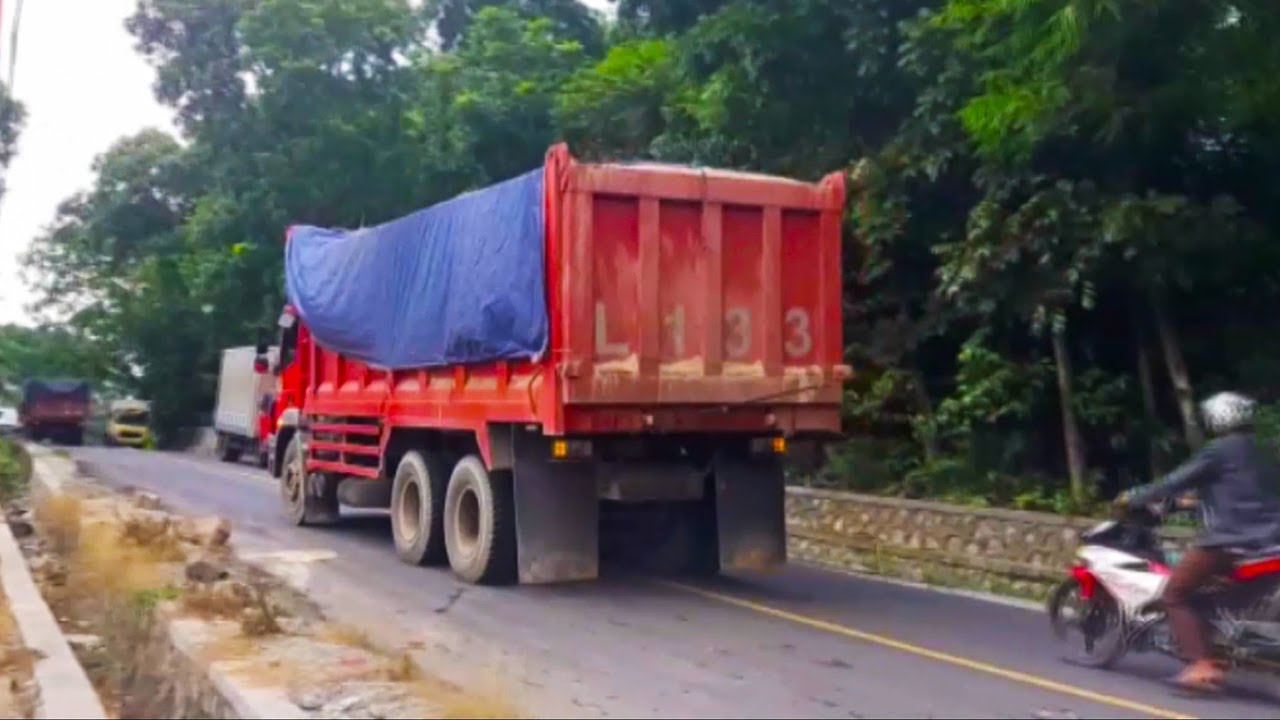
(228, 450)
(479, 524)
(302, 506)
(417, 509)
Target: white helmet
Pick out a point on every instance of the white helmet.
(1227, 411)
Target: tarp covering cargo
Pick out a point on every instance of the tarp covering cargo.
(35, 390)
(458, 282)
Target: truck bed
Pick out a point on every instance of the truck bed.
(680, 301)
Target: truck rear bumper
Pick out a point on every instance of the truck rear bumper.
(733, 495)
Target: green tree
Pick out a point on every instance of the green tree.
(506, 75)
(570, 18)
(48, 352)
(11, 118)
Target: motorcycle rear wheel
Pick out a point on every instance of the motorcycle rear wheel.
(1092, 629)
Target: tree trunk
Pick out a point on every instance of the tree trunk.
(1072, 441)
(924, 406)
(1150, 411)
(1178, 375)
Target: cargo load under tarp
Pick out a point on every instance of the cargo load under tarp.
(35, 390)
(459, 282)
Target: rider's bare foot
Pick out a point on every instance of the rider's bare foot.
(1200, 675)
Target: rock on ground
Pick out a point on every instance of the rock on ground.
(207, 531)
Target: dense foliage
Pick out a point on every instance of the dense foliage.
(1062, 230)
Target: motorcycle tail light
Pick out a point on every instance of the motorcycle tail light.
(1086, 580)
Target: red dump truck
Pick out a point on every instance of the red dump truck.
(55, 410)
(589, 359)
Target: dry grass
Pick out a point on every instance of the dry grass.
(228, 647)
(217, 601)
(120, 569)
(485, 699)
(112, 587)
(117, 570)
(17, 665)
(59, 519)
(401, 668)
(477, 706)
(346, 636)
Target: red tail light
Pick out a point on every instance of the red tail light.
(1255, 570)
(1086, 579)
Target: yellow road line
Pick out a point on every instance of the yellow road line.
(975, 665)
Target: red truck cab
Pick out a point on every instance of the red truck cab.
(695, 337)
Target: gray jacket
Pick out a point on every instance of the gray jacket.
(1236, 482)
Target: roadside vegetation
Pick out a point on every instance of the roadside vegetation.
(15, 469)
(118, 570)
(1062, 226)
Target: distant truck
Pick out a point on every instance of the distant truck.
(241, 419)
(587, 360)
(129, 423)
(55, 410)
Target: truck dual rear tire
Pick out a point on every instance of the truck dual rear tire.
(479, 524)
(417, 509)
(303, 507)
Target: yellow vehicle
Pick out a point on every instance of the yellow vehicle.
(128, 423)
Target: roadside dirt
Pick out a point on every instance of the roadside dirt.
(17, 688)
(117, 568)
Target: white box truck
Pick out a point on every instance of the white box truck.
(243, 394)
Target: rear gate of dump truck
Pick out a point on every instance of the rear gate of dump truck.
(683, 288)
(692, 303)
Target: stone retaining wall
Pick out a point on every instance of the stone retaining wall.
(1006, 552)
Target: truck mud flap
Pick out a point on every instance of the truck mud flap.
(557, 515)
(750, 513)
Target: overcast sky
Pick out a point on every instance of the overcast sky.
(83, 86)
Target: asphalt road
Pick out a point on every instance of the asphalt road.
(796, 643)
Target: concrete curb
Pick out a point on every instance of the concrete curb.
(246, 701)
(65, 690)
(184, 637)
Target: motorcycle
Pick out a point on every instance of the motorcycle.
(1112, 599)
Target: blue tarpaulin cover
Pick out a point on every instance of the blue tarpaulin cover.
(458, 282)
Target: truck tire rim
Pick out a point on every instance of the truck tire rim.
(468, 522)
(409, 512)
(292, 483)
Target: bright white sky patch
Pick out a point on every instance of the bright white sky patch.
(84, 86)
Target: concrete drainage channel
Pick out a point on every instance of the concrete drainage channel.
(166, 621)
(61, 687)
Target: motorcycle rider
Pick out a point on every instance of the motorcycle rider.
(1234, 481)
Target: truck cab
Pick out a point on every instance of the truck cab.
(129, 423)
(279, 417)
